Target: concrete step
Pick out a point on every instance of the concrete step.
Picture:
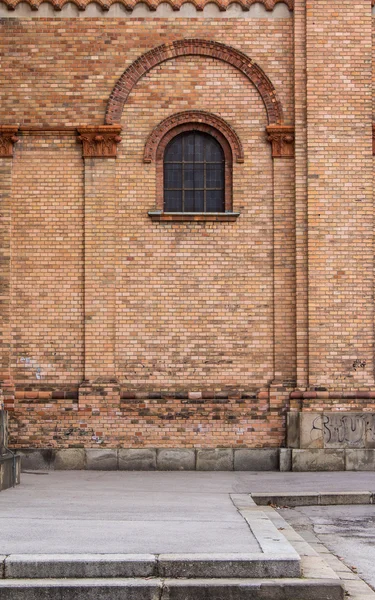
(254, 565)
(170, 589)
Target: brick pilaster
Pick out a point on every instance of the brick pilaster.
(284, 271)
(6, 383)
(301, 230)
(340, 195)
(100, 274)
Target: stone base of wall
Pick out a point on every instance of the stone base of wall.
(332, 430)
(10, 469)
(348, 459)
(151, 459)
(190, 459)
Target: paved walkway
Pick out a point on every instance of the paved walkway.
(127, 512)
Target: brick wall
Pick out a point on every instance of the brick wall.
(340, 193)
(121, 331)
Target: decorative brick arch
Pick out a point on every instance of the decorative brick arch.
(186, 47)
(192, 119)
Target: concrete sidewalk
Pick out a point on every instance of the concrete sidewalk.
(163, 535)
(153, 512)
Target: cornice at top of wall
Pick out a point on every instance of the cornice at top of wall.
(151, 4)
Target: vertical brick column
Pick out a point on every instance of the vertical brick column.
(300, 125)
(7, 140)
(340, 195)
(99, 151)
(282, 141)
(284, 272)
(284, 329)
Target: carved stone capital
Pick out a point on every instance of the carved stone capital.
(100, 141)
(8, 138)
(282, 140)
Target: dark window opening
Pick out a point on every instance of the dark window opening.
(194, 180)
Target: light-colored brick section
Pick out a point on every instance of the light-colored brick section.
(340, 194)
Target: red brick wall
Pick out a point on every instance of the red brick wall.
(190, 323)
(194, 301)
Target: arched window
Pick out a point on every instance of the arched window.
(194, 174)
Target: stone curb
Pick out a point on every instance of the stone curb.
(319, 562)
(170, 589)
(313, 499)
(57, 566)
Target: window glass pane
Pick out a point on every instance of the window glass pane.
(215, 201)
(199, 201)
(199, 147)
(199, 175)
(189, 176)
(214, 151)
(173, 176)
(173, 201)
(189, 201)
(174, 150)
(194, 177)
(214, 176)
(189, 146)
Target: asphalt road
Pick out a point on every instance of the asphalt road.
(347, 531)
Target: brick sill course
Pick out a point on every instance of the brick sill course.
(158, 215)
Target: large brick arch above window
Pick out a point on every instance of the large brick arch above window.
(188, 120)
(187, 47)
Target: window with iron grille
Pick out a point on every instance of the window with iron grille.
(194, 174)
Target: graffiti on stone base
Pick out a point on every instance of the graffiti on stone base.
(348, 430)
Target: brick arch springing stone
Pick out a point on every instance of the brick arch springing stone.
(186, 47)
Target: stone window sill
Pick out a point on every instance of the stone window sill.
(158, 215)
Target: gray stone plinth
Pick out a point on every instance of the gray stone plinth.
(285, 459)
(101, 459)
(37, 459)
(315, 459)
(180, 459)
(134, 459)
(311, 430)
(10, 469)
(219, 459)
(72, 459)
(360, 460)
(292, 429)
(256, 459)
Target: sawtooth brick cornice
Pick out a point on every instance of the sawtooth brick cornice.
(152, 4)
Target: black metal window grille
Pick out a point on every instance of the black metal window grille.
(194, 179)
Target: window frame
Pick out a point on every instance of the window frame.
(228, 169)
(195, 165)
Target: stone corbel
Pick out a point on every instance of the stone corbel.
(8, 138)
(100, 141)
(282, 140)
